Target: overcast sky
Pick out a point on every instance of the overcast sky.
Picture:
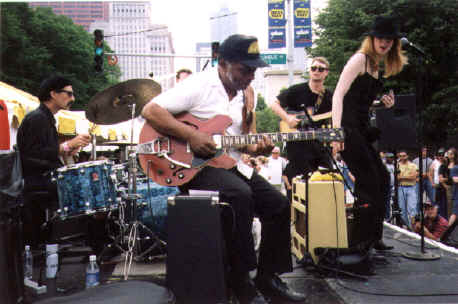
(189, 21)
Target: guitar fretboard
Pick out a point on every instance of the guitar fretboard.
(247, 139)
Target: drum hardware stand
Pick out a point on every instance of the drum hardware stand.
(132, 225)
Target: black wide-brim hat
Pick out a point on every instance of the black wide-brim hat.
(385, 27)
(242, 49)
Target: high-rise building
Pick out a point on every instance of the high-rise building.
(82, 13)
(131, 34)
(128, 30)
(223, 24)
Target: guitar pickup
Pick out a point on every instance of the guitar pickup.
(159, 146)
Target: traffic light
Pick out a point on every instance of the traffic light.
(98, 53)
(215, 48)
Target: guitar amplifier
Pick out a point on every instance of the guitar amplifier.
(320, 221)
(195, 268)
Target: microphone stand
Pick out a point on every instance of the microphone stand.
(396, 217)
(419, 90)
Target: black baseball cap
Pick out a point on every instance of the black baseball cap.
(242, 49)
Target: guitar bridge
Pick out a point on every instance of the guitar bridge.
(160, 147)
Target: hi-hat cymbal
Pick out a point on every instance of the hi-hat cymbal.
(113, 105)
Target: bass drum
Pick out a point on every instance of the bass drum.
(152, 206)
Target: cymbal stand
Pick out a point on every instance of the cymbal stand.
(134, 224)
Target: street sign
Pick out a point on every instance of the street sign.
(274, 58)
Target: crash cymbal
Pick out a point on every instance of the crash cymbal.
(113, 105)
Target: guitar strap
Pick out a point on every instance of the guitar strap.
(247, 113)
(319, 100)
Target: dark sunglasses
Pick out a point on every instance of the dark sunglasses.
(69, 93)
(320, 69)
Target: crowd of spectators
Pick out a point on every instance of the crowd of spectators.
(439, 178)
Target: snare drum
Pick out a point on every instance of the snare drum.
(152, 206)
(85, 188)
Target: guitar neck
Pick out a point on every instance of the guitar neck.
(247, 139)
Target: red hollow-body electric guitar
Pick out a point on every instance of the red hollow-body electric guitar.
(169, 161)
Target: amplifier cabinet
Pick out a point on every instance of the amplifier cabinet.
(195, 268)
(320, 220)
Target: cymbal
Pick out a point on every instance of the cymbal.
(113, 105)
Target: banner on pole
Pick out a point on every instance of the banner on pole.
(302, 23)
(277, 22)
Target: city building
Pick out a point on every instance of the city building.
(129, 32)
(223, 24)
(133, 38)
(81, 12)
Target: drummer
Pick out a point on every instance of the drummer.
(37, 140)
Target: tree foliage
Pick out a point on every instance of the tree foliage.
(266, 120)
(36, 43)
(430, 24)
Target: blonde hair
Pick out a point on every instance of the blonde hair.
(321, 60)
(394, 61)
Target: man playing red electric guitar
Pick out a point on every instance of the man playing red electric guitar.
(220, 92)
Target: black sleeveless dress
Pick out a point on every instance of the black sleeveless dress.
(371, 176)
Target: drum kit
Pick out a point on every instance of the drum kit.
(134, 206)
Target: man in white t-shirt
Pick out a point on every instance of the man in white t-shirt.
(276, 166)
(221, 91)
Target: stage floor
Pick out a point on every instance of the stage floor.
(402, 280)
(397, 279)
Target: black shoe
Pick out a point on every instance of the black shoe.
(245, 291)
(380, 245)
(274, 287)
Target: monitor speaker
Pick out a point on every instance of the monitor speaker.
(397, 125)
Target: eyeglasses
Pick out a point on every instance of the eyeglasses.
(320, 69)
(69, 93)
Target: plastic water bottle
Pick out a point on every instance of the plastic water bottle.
(28, 263)
(52, 261)
(92, 272)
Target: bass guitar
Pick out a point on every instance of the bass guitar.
(169, 161)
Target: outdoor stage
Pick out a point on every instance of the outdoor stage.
(397, 279)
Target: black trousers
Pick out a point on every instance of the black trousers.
(248, 197)
(39, 195)
(372, 180)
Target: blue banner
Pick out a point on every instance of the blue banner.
(302, 23)
(277, 21)
(277, 37)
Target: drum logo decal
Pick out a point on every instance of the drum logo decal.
(95, 176)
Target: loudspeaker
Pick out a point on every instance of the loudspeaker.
(397, 125)
(450, 236)
(320, 221)
(195, 268)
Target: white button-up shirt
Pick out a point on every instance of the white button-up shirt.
(203, 96)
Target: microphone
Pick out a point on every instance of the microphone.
(406, 42)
